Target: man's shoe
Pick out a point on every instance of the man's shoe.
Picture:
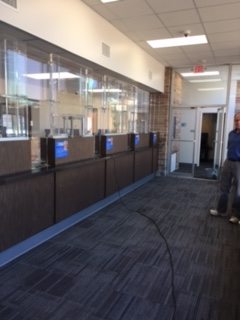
(215, 213)
(234, 220)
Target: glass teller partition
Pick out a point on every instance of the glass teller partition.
(13, 95)
(45, 95)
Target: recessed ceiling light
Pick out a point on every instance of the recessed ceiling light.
(204, 80)
(55, 75)
(210, 89)
(200, 74)
(105, 90)
(180, 41)
(106, 1)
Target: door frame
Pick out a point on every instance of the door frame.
(220, 110)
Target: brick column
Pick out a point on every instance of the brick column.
(159, 119)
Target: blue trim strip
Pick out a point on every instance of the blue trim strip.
(41, 237)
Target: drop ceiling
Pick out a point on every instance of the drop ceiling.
(142, 20)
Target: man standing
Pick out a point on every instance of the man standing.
(230, 175)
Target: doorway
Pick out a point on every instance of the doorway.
(196, 139)
(205, 168)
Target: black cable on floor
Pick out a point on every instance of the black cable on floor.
(139, 211)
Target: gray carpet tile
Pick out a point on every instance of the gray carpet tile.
(115, 264)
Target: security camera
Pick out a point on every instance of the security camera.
(186, 33)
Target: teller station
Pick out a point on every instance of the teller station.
(72, 139)
(81, 171)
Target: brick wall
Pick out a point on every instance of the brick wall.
(159, 119)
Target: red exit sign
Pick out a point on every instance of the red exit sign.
(198, 69)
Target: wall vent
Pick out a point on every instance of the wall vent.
(150, 75)
(105, 50)
(11, 3)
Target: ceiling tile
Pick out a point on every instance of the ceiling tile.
(129, 8)
(174, 50)
(207, 3)
(203, 48)
(225, 60)
(222, 26)
(173, 55)
(160, 6)
(227, 52)
(222, 12)
(195, 29)
(201, 58)
(179, 62)
(151, 34)
(224, 37)
(224, 45)
(140, 23)
(179, 18)
(120, 26)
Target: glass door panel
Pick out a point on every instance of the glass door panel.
(182, 141)
(188, 156)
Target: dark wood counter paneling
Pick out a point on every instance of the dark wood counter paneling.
(139, 140)
(78, 148)
(112, 144)
(143, 163)
(79, 187)
(27, 207)
(119, 172)
(15, 156)
(155, 159)
(32, 201)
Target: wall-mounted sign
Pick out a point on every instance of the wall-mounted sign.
(137, 139)
(109, 143)
(154, 138)
(198, 68)
(61, 149)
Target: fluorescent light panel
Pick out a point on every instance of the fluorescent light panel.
(204, 80)
(106, 1)
(55, 75)
(105, 90)
(175, 42)
(210, 89)
(200, 74)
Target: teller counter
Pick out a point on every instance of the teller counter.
(62, 150)
(27, 206)
(33, 201)
(78, 186)
(119, 172)
(76, 179)
(15, 155)
(145, 146)
(143, 163)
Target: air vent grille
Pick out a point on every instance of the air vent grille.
(150, 75)
(12, 3)
(105, 50)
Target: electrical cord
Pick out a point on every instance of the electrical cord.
(139, 211)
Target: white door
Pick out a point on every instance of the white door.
(182, 140)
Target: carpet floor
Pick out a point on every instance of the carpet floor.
(156, 254)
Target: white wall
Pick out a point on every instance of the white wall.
(71, 25)
(193, 97)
